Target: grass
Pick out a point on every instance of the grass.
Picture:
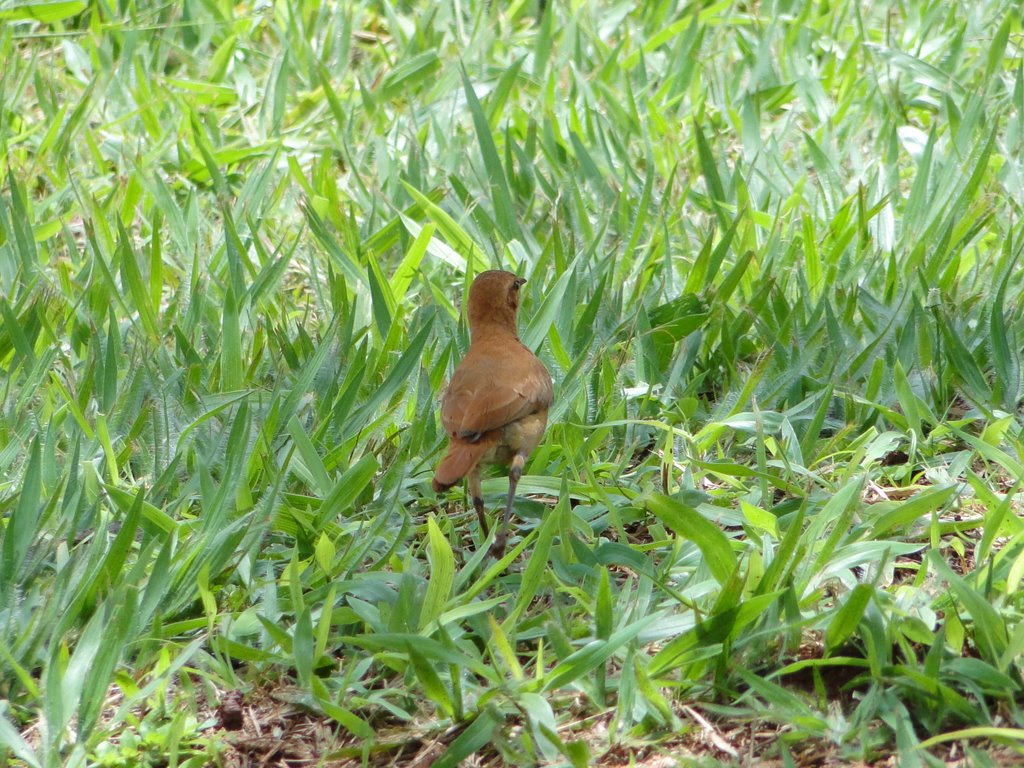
(773, 257)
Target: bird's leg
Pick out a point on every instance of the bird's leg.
(514, 473)
(478, 499)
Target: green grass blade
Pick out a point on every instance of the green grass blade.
(688, 523)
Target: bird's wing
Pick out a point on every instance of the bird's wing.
(482, 397)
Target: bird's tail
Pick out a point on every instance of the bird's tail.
(459, 460)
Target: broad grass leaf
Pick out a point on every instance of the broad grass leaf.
(382, 302)
(900, 514)
(835, 517)
(303, 645)
(92, 653)
(845, 620)
(964, 365)
(473, 738)
(990, 629)
(603, 605)
(760, 519)
(137, 290)
(580, 663)
(159, 581)
(396, 379)
(398, 642)
(542, 317)
(11, 739)
(409, 74)
(500, 642)
(231, 371)
(117, 554)
(442, 575)
(315, 472)
(907, 399)
(430, 681)
(735, 275)
(43, 11)
(535, 568)
(17, 224)
(342, 715)
(469, 609)
(1005, 351)
(100, 672)
(497, 181)
(202, 143)
(987, 732)
(151, 514)
(349, 487)
(603, 623)
(787, 557)
(980, 672)
(269, 277)
(712, 177)
(20, 530)
(990, 452)
(688, 523)
(112, 354)
(16, 337)
(679, 317)
(410, 265)
(775, 695)
(469, 254)
(712, 631)
(541, 718)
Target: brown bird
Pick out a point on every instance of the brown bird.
(496, 406)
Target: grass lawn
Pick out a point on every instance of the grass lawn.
(773, 253)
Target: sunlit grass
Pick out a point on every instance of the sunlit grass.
(773, 268)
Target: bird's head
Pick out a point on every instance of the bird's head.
(494, 299)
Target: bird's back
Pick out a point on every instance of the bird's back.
(498, 382)
(495, 406)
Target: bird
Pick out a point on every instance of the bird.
(495, 407)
